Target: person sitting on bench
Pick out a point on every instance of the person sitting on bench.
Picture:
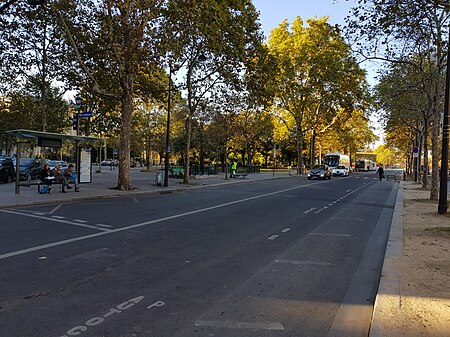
(60, 178)
(46, 177)
(72, 176)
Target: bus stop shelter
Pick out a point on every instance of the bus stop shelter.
(55, 140)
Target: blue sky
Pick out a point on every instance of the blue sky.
(273, 12)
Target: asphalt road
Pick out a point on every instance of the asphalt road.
(287, 257)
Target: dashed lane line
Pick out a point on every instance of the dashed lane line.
(121, 229)
(142, 224)
(54, 220)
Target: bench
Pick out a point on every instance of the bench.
(241, 175)
(176, 172)
(392, 177)
(39, 183)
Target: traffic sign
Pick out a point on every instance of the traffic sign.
(415, 149)
(85, 114)
(116, 151)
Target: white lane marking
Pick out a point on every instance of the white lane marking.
(94, 321)
(55, 209)
(135, 200)
(331, 234)
(142, 224)
(285, 230)
(58, 217)
(309, 210)
(80, 221)
(273, 237)
(297, 262)
(241, 325)
(53, 219)
(36, 213)
(348, 191)
(102, 225)
(156, 304)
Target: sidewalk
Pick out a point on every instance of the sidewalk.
(103, 186)
(414, 293)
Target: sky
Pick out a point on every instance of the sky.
(273, 12)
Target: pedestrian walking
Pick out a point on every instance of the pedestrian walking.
(380, 172)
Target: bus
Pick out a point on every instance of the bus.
(334, 159)
(365, 165)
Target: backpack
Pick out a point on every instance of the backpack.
(43, 189)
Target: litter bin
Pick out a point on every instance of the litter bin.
(159, 179)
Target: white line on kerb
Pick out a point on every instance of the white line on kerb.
(330, 234)
(297, 262)
(241, 325)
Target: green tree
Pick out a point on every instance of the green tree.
(21, 111)
(113, 39)
(211, 40)
(32, 52)
(319, 78)
(404, 94)
(398, 31)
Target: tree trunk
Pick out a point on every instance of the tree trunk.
(299, 153)
(425, 156)
(124, 178)
(312, 152)
(434, 191)
(188, 148)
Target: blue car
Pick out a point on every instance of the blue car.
(30, 169)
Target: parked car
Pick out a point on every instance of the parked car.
(320, 172)
(7, 172)
(62, 164)
(341, 171)
(30, 169)
(110, 162)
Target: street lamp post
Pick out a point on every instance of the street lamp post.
(78, 102)
(443, 189)
(168, 150)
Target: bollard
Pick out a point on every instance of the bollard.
(404, 175)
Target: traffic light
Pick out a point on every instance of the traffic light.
(75, 122)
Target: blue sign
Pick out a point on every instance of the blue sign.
(416, 150)
(116, 151)
(86, 114)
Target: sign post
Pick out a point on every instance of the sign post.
(415, 152)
